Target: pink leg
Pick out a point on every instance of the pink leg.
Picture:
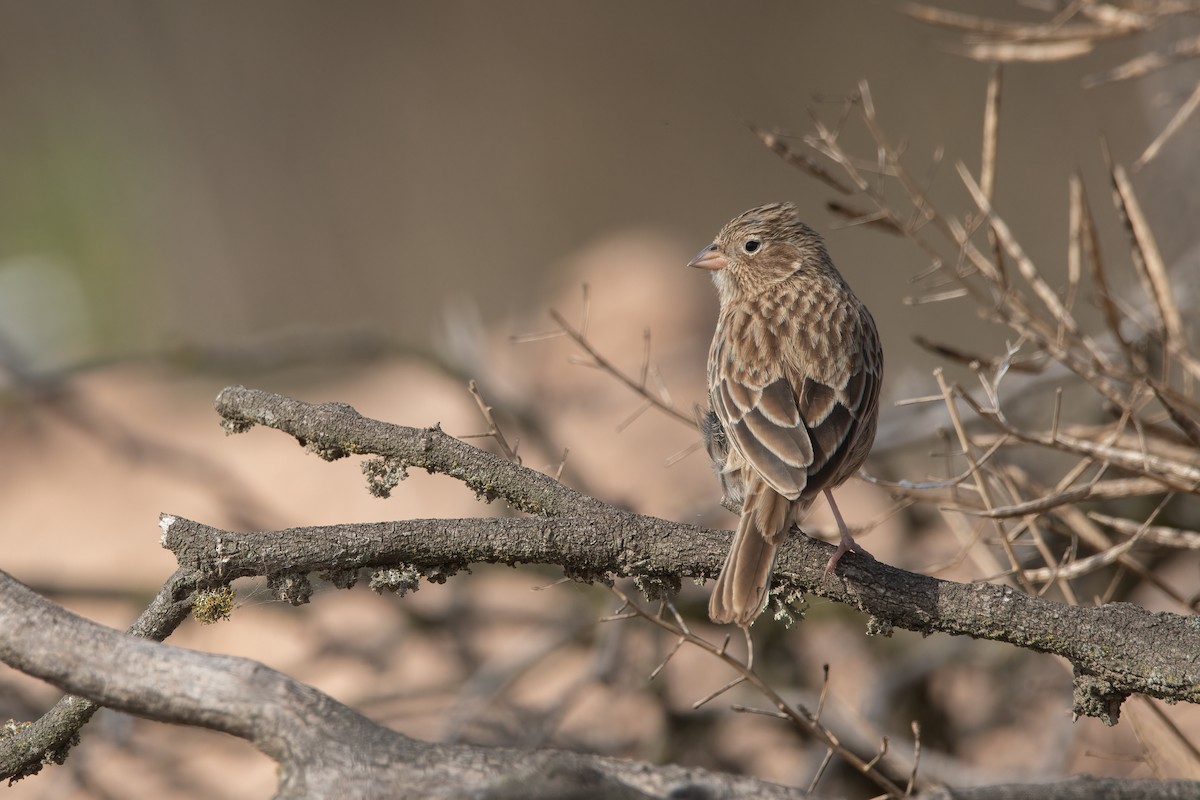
(847, 542)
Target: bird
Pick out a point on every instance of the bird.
(794, 372)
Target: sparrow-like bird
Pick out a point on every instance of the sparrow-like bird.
(793, 376)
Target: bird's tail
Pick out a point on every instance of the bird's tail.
(740, 594)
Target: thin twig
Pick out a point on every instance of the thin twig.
(797, 715)
(493, 431)
(600, 361)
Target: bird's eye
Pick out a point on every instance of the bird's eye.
(751, 245)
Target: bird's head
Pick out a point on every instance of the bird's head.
(760, 248)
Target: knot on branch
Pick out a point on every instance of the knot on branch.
(291, 587)
(658, 587)
(400, 580)
(326, 451)
(407, 578)
(13, 729)
(383, 475)
(485, 489)
(581, 573)
(340, 578)
(877, 626)
(439, 573)
(232, 426)
(1097, 697)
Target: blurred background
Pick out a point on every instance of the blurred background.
(366, 202)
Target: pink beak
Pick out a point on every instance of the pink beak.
(709, 258)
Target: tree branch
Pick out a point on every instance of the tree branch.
(48, 739)
(336, 430)
(324, 749)
(1080, 787)
(1116, 649)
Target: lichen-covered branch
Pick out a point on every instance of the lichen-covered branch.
(1116, 650)
(335, 430)
(324, 749)
(49, 738)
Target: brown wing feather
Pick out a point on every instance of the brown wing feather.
(780, 453)
(843, 439)
(804, 441)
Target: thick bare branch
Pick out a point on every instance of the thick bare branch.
(1116, 649)
(324, 749)
(1127, 646)
(335, 430)
(49, 738)
(327, 750)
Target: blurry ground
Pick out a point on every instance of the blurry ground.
(362, 203)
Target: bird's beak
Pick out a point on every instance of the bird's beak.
(709, 258)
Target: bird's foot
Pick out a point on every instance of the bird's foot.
(846, 545)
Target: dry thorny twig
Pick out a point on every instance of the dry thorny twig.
(658, 398)
(1076, 29)
(801, 718)
(1139, 372)
(1132, 428)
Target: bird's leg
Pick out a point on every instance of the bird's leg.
(847, 542)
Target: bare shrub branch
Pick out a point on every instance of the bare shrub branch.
(1077, 29)
(324, 748)
(1138, 372)
(593, 540)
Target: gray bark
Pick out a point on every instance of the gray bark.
(328, 750)
(324, 749)
(1116, 649)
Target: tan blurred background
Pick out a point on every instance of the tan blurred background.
(363, 202)
(207, 172)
